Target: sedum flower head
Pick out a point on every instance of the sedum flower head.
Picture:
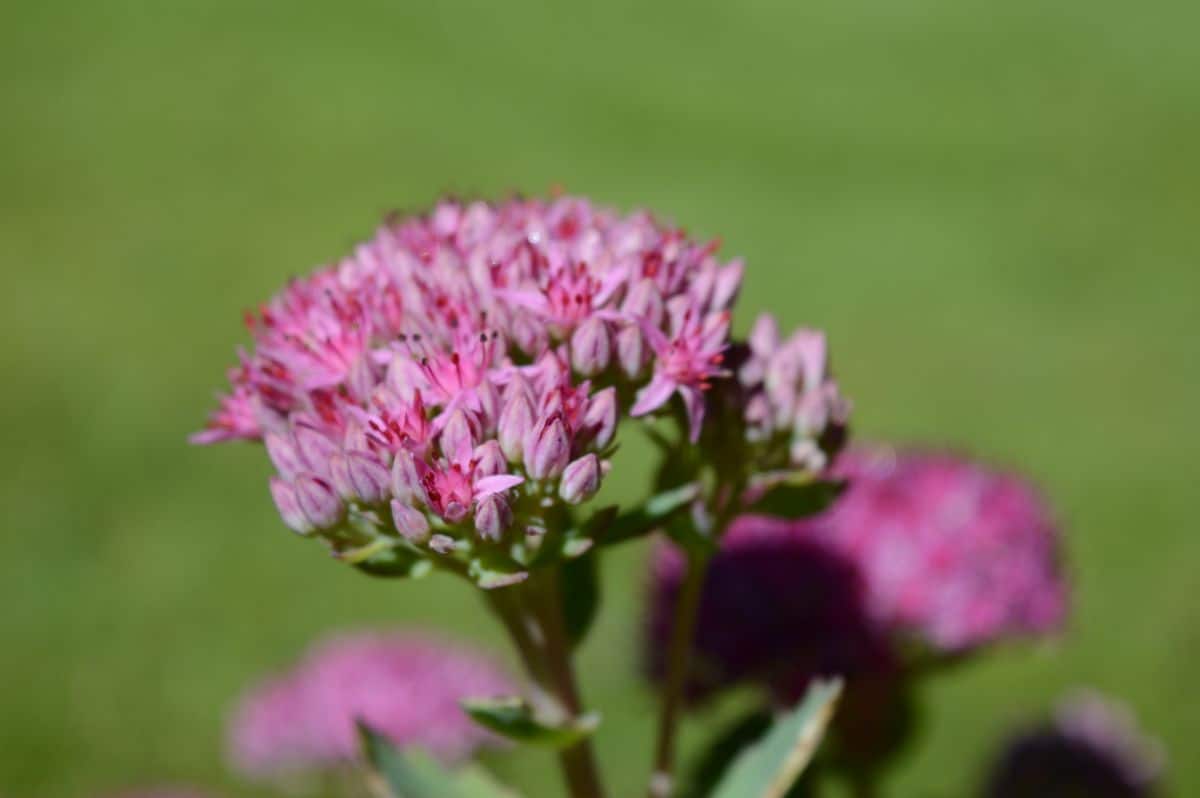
(461, 374)
(404, 686)
(1091, 747)
(924, 546)
(952, 552)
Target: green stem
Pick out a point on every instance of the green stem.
(532, 613)
(679, 656)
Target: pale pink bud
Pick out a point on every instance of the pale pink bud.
(283, 454)
(369, 478)
(590, 347)
(410, 522)
(631, 351)
(516, 420)
(406, 482)
(289, 508)
(442, 544)
(547, 448)
(316, 449)
(492, 517)
(528, 333)
(318, 501)
(644, 302)
(457, 438)
(489, 459)
(600, 420)
(580, 480)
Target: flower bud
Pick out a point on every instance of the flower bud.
(457, 438)
(644, 302)
(528, 333)
(406, 482)
(369, 478)
(492, 517)
(600, 419)
(580, 480)
(516, 420)
(489, 460)
(547, 448)
(316, 449)
(590, 347)
(631, 351)
(289, 508)
(410, 522)
(318, 501)
(442, 544)
(283, 454)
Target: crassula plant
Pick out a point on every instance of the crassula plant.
(448, 397)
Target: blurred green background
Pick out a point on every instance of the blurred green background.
(991, 207)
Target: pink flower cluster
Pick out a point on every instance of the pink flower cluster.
(920, 545)
(459, 355)
(405, 687)
(790, 394)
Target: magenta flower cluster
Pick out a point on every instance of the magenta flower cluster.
(406, 687)
(952, 552)
(460, 355)
(920, 545)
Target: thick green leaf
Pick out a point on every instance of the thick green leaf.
(580, 588)
(655, 512)
(393, 773)
(768, 768)
(798, 499)
(723, 749)
(515, 719)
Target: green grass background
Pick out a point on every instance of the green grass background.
(992, 207)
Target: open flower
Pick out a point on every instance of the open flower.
(404, 686)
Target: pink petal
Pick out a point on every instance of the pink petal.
(495, 484)
(654, 395)
(693, 402)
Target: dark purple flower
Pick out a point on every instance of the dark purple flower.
(1091, 748)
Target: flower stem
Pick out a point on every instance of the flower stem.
(532, 613)
(679, 656)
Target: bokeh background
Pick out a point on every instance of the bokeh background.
(992, 207)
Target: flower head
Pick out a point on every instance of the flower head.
(454, 366)
(1091, 747)
(919, 545)
(403, 686)
(951, 552)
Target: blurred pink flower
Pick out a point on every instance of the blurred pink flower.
(951, 552)
(920, 545)
(405, 686)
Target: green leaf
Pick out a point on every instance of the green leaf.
(654, 513)
(723, 748)
(414, 774)
(515, 719)
(768, 768)
(580, 588)
(798, 499)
